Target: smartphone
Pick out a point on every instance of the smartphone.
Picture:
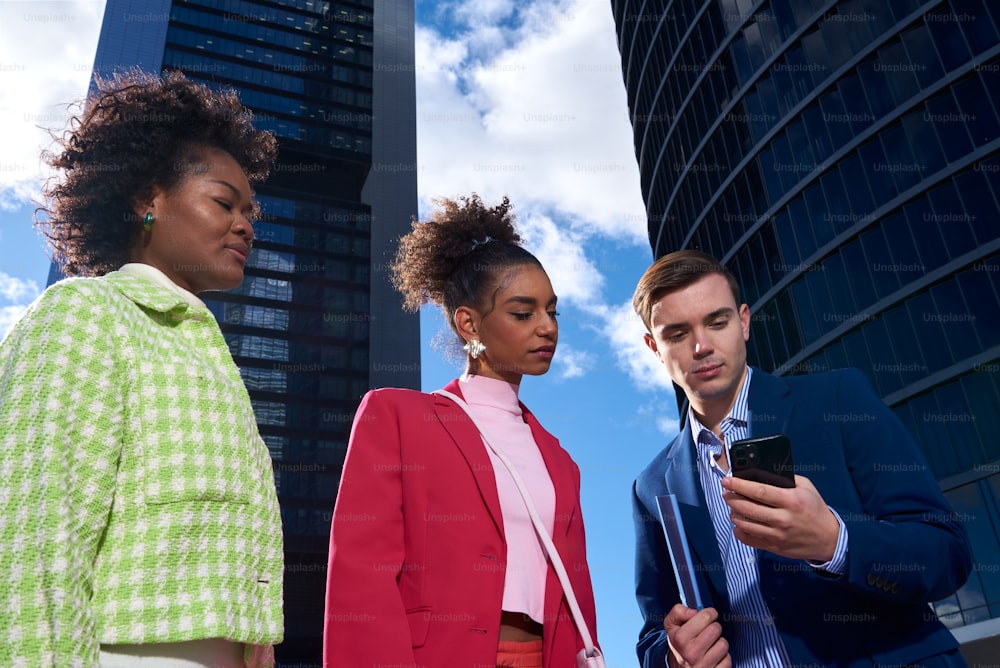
(766, 459)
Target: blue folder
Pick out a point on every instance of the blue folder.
(680, 554)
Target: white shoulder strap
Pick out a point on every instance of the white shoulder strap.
(543, 535)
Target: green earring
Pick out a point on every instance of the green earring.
(147, 222)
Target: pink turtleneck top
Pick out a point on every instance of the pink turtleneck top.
(495, 404)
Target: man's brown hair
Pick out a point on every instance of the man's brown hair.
(673, 272)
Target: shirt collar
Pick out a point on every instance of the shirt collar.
(141, 285)
(491, 392)
(154, 275)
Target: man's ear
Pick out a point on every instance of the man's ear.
(745, 321)
(651, 344)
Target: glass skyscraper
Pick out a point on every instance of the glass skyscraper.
(316, 322)
(843, 159)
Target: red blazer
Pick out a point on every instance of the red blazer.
(417, 551)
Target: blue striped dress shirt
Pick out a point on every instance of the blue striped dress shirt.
(755, 642)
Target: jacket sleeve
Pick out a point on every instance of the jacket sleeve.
(61, 428)
(908, 545)
(366, 623)
(655, 587)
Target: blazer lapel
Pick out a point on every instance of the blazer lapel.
(557, 463)
(563, 481)
(681, 478)
(470, 443)
(769, 404)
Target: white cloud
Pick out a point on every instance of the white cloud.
(47, 51)
(661, 412)
(8, 316)
(14, 289)
(662, 416)
(483, 12)
(624, 331)
(572, 363)
(21, 293)
(561, 251)
(543, 119)
(667, 425)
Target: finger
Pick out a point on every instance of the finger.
(744, 510)
(752, 539)
(739, 485)
(718, 654)
(689, 621)
(695, 637)
(708, 648)
(802, 481)
(678, 616)
(754, 525)
(755, 491)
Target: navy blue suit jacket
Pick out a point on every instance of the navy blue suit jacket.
(905, 545)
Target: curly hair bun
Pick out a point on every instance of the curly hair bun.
(455, 256)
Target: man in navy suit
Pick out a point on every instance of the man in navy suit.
(836, 571)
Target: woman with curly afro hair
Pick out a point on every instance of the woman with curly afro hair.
(139, 522)
(434, 559)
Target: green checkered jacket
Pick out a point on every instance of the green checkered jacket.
(137, 500)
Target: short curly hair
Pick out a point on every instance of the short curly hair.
(459, 256)
(138, 132)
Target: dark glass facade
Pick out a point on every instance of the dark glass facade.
(843, 159)
(315, 323)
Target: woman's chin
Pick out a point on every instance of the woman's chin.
(537, 369)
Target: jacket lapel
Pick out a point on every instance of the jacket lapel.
(470, 443)
(681, 478)
(769, 404)
(564, 483)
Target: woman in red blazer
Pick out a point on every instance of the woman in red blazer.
(430, 559)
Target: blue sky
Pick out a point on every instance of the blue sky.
(524, 99)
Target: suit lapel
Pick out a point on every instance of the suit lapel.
(563, 481)
(470, 443)
(681, 473)
(557, 463)
(769, 405)
(681, 478)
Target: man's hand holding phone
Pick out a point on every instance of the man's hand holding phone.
(791, 521)
(794, 522)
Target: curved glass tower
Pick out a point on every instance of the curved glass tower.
(843, 159)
